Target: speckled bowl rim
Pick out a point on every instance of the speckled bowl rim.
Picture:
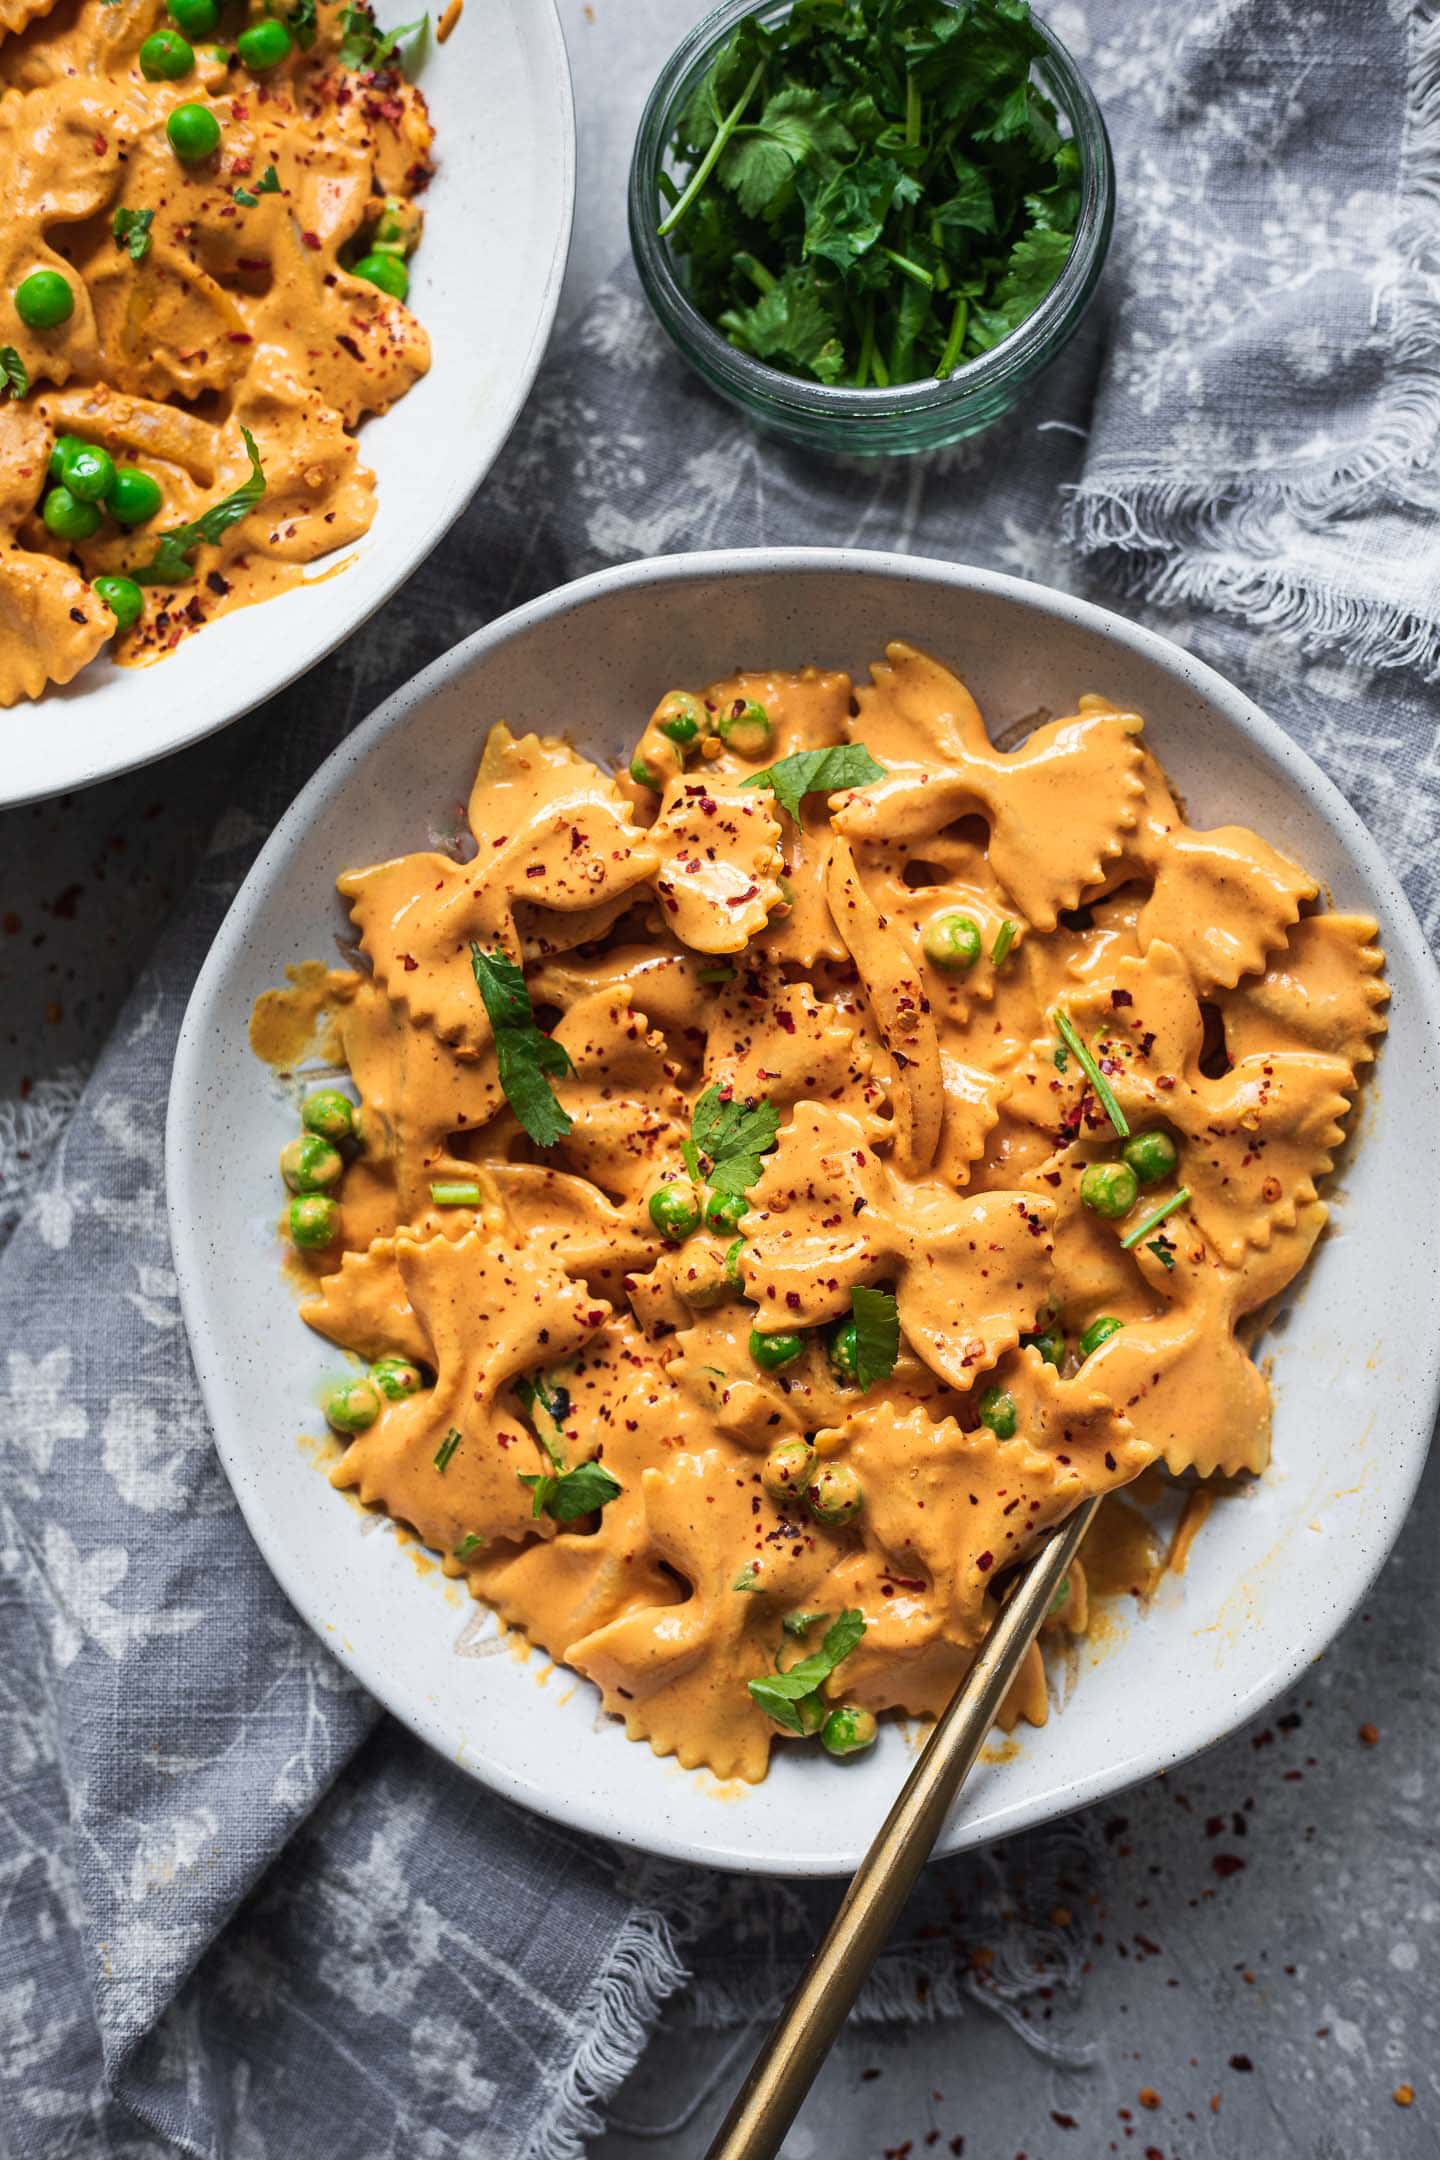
(187, 1176)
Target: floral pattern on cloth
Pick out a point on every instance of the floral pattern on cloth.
(243, 1915)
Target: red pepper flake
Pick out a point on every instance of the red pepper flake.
(311, 240)
(1370, 1734)
(1241, 2062)
(985, 1561)
(1148, 2097)
(348, 344)
(1226, 1864)
(409, 964)
(1121, 997)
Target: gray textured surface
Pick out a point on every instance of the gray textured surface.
(1313, 1962)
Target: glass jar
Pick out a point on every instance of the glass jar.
(905, 417)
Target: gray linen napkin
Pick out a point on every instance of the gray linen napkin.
(243, 1916)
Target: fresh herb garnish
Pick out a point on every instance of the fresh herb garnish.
(170, 564)
(872, 191)
(799, 1624)
(748, 1578)
(780, 1694)
(269, 182)
(364, 46)
(811, 772)
(1070, 1037)
(469, 1544)
(1163, 1250)
(14, 375)
(547, 1411)
(877, 1335)
(572, 1493)
(1154, 1219)
(1061, 1058)
(1004, 938)
(526, 1055)
(302, 21)
(243, 196)
(1059, 1598)
(132, 231)
(715, 974)
(454, 1192)
(446, 1449)
(727, 1140)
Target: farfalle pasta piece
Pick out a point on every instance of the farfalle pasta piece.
(1058, 808)
(677, 1674)
(51, 624)
(492, 1312)
(719, 863)
(365, 1307)
(582, 1578)
(416, 1092)
(627, 1115)
(1181, 1376)
(549, 828)
(827, 1215)
(972, 1111)
(1320, 992)
(587, 1234)
(900, 1009)
(1223, 900)
(769, 1040)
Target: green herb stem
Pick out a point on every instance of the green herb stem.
(1070, 1036)
(1154, 1219)
(756, 271)
(912, 112)
(711, 158)
(455, 1194)
(950, 357)
(1004, 938)
(908, 268)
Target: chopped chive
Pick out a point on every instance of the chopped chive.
(748, 1578)
(243, 196)
(446, 1449)
(715, 975)
(1154, 1219)
(455, 1195)
(1068, 1034)
(468, 1545)
(1004, 938)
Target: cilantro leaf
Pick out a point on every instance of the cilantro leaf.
(748, 1578)
(791, 322)
(569, 1494)
(269, 182)
(731, 1137)
(132, 231)
(1035, 263)
(471, 1542)
(547, 1408)
(364, 47)
(779, 1694)
(303, 23)
(877, 1334)
(170, 564)
(796, 126)
(243, 196)
(525, 1055)
(800, 1623)
(814, 772)
(14, 375)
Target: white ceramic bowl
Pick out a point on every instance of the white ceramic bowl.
(1273, 1577)
(485, 283)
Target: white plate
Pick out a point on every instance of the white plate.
(485, 284)
(1273, 1577)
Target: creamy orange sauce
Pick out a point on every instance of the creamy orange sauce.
(930, 1141)
(241, 312)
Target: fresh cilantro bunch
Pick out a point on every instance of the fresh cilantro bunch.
(874, 191)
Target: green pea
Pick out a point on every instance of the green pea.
(165, 56)
(1099, 1331)
(264, 45)
(88, 472)
(772, 1352)
(789, 1467)
(745, 729)
(951, 942)
(709, 1276)
(1049, 1342)
(386, 271)
(397, 229)
(44, 300)
(67, 517)
(193, 133)
(123, 597)
(310, 1164)
(330, 1114)
(641, 774)
(998, 1411)
(197, 18)
(675, 1211)
(1109, 1189)
(681, 722)
(848, 1731)
(352, 1407)
(64, 445)
(844, 1353)
(835, 1494)
(732, 1262)
(313, 1220)
(396, 1378)
(1151, 1155)
(135, 496)
(724, 1210)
